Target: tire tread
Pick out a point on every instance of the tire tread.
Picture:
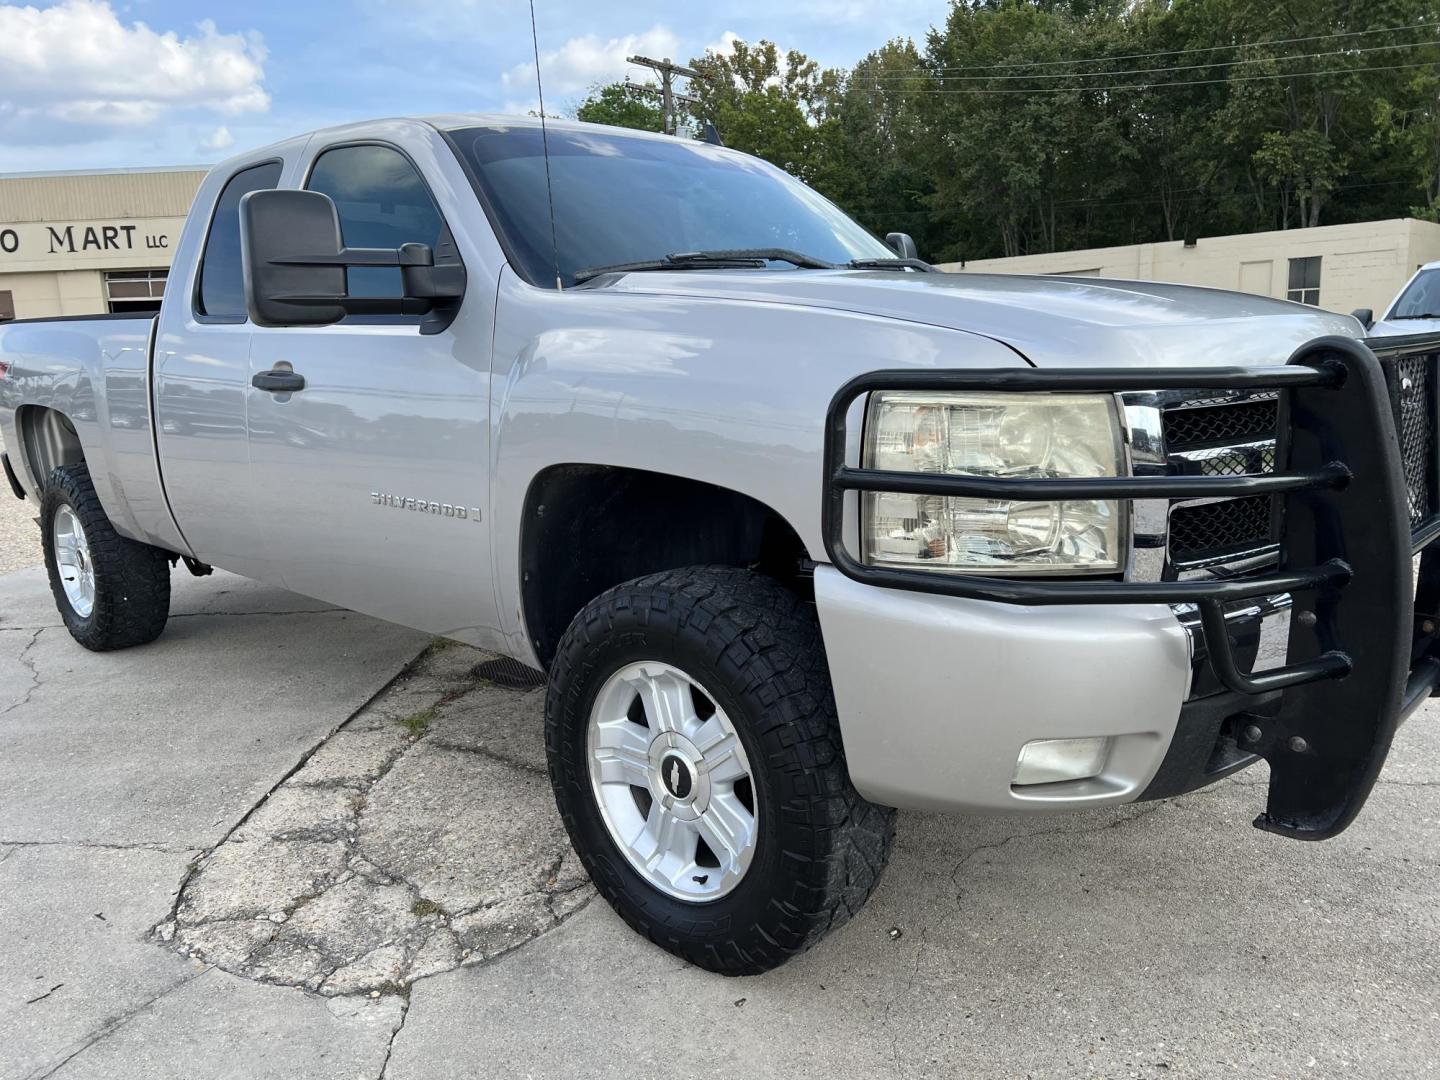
(132, 594)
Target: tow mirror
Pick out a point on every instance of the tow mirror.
(294, 261)
(903, 244)
(1365, 315)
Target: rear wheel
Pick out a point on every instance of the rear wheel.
(696, 760)
(112, 592)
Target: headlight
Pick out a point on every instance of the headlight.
(997, 435)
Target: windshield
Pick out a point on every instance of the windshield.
(622, 199)
(1421, 296)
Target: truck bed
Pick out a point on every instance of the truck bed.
(93, 370)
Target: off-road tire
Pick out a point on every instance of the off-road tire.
(132, 580)
(757, 648)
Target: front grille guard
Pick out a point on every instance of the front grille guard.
(1345, 553)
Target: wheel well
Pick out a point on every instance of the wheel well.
(590, 527)
(48, 440)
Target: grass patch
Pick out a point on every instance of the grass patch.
(417, 723)
(423, 908)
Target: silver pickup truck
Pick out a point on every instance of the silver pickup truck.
(801, 530)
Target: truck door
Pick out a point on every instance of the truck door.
(202, 377)
(371, 482)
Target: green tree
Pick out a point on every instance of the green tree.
(767, 103)
(869, 162)
(612, 104)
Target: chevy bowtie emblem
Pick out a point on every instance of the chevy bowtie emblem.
(676, 776)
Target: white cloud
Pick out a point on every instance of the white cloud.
(76, 66)
(722, 47)
(582, 62)
(217, 140)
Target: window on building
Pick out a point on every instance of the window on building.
(1305, 281)
(7, 305)
(222, 284)
(382, 202)
(134, 290)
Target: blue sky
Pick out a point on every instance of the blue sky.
(96, 84)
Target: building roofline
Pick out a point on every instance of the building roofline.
(104, 172)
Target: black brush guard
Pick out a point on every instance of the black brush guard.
(1359, 660)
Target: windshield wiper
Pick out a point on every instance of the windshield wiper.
(892, 264)
(737, 259)
(1423, 315)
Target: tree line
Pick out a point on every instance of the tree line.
(1024, 126)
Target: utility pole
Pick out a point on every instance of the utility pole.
(667, 70)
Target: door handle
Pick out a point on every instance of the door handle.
(278, 381)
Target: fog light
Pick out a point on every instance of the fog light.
(1046, 761)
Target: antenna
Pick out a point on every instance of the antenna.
(545, 144)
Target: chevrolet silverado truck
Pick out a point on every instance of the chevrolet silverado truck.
(801, 530)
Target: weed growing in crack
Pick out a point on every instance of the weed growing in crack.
(423, 908)
(417, 723)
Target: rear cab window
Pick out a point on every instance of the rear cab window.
(220, 293)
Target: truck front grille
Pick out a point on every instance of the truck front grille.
(1219, 530)
(1221, 438)
(1222, 424)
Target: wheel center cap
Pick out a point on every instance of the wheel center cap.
(676, 775)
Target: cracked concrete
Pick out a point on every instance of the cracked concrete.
(392, 853)
(116, 771)
(25, 661)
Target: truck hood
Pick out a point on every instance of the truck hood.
(1050, 321)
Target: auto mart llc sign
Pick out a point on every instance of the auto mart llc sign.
(40, 245)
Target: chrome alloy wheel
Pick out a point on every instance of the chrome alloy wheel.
(672, 781)
(72, 560)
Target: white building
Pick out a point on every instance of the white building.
(1338, 267)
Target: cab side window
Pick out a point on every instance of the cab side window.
(382, 202)
(222, 283)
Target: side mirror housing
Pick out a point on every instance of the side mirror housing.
(1365, 316)
(294, 261)
(280, 231)
(903, 244)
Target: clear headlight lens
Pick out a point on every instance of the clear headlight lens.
(998, 435)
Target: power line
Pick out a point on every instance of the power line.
(1188, 49)
(1156, 85)
(1150, 70)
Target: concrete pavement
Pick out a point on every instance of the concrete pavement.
(116, 771)
(251, 850)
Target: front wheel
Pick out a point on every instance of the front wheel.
(112, 592)
(696, 760)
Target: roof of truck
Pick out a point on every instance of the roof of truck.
(452, 121)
